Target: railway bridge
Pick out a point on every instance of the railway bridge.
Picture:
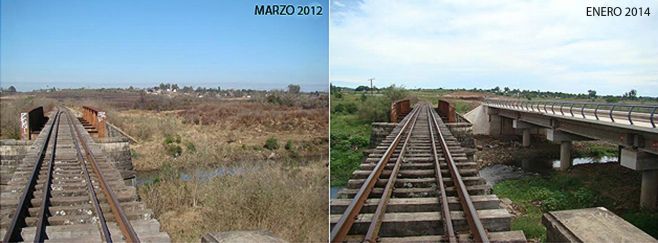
(419, 185)
(631, 127)
(66, 190)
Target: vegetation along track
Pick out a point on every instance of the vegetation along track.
(418, 185)
(65, 190)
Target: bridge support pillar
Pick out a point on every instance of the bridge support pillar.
(565, 155)
(647, 164)
(495, 124)
(649, 190)
(526, 138)
(525, 128)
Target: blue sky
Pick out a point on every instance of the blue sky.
(118, 43)
(546, 45)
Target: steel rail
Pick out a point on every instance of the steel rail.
(376, 221)
(13, 233)
(476, 227)
(105, 232)
(119, 215)
(449, 229)
(42, 217)
(341, 228)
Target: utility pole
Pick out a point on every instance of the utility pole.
(372, 91)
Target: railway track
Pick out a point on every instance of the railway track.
(418, 185)
(66, 191)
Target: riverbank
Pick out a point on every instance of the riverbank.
(528, 185)
(507, 150)
(242, 165)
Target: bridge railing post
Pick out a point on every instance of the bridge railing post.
(25, 126)
(100, 121)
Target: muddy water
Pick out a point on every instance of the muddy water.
(532, 167)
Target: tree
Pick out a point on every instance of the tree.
(293, 88)
(506, 90)
(11, 89)
(591, 94)
(631, 95)
(362, 88)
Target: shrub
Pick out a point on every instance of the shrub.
(350, 108)
(173, 150)
(190, 147)
(288, 145)
(395, 93)
(271, 144)
(339, 108)
(374, 109)
(363, 97)
(169, 139)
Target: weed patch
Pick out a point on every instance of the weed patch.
(271, 144)
(291, 202)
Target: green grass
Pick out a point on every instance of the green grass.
(537, 195)
(349, 136)
(596, 150)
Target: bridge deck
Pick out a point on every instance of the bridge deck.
(74, 207)
(412, 197)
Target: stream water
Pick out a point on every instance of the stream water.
(532, 166)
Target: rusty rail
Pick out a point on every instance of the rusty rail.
(614, 112)
(42, 218)
(90, 187)
(18, 220)
(376, 222)
(476, 227)
(445, 207)
(342, 227)
(120, 216)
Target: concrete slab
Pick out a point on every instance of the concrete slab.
(591, 225)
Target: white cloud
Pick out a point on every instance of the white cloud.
(522, 44)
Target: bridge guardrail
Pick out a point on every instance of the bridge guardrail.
(399, 109)
(96, 118)
(611, 112)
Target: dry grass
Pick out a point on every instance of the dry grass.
(234, 137)
(291, 202)
(236, 115)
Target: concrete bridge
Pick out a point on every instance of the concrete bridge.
(631, 127)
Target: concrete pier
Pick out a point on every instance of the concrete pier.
(649, 191)
(647, 164)
(526, 138)
(565, 155)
